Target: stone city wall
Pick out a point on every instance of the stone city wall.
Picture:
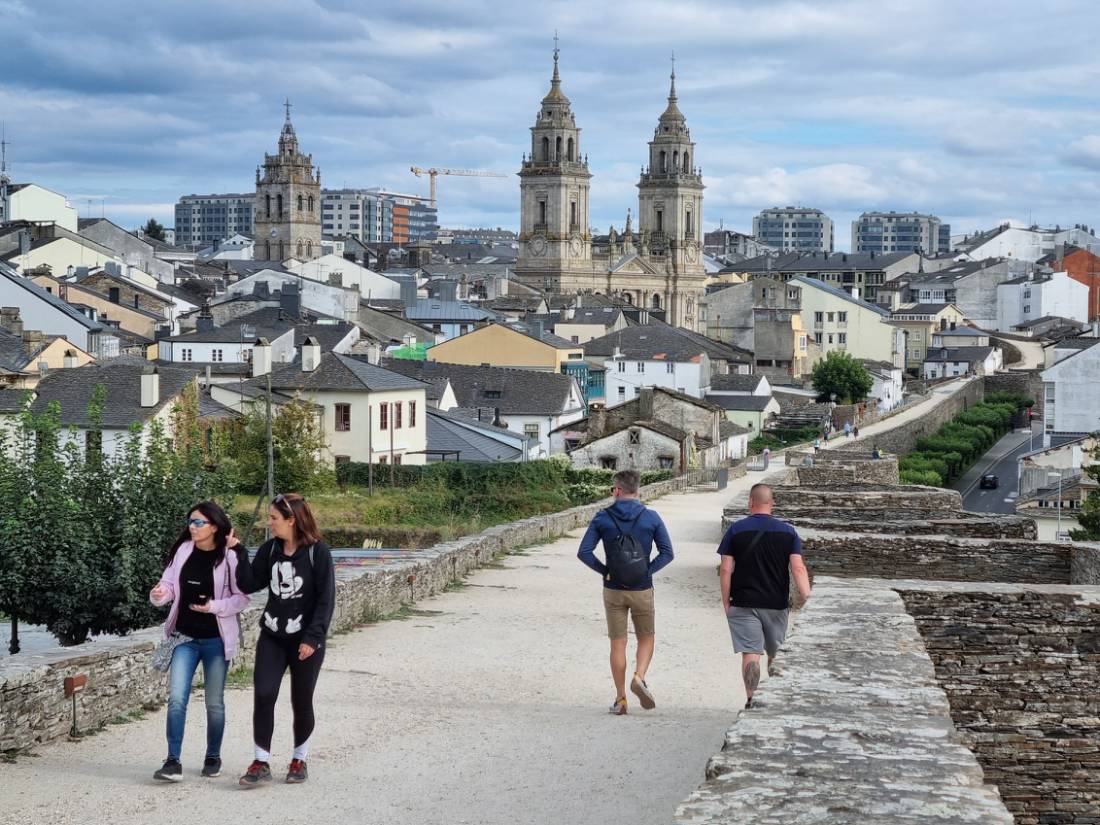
(1021, 667)
(903, 438)
(1084, 563)
(850, 727)
(936, 557)
(121, 680)
(979, 527)
(836, 473)
(1029, 382)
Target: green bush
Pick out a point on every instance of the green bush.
(924, 477)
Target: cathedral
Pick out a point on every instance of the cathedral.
(287, 209)
(660, 267)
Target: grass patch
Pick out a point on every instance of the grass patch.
(455, 585)
(240, 677)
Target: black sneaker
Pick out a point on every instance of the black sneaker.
(749, 705)
(170, 771)
(212, 767)
(258, 772)
(296, 773)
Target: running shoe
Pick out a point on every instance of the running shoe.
(170, 771)
(619, 707)
(640, 689)
(257, 772)
(212, 767)
(296, 773)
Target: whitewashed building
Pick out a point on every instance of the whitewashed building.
(1034, 296)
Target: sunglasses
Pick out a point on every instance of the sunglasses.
(282, 505)
(197, 522)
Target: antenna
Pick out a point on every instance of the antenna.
(3, 154)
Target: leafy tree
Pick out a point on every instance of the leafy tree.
(841, 374)
(1089, 515)
(154, 229)
(299, 446)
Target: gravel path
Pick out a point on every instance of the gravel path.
(486, 705)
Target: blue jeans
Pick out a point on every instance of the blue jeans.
(185, 661)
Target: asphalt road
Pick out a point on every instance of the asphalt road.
(1001, 461)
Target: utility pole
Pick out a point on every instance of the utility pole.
(370, 453)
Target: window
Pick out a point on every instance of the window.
(829, 317)
(608, 462)
(343, 417)
(342, 459)
(641, 366)
(665, 462)
(185, 354)
(660, 219)
(842, 317)
(817, 337)
(819, 317)
(531, 430)
(576, 339)
(492, 393)
(830, 338)
(572, 214)
(382, 458)
(542, 213)
(397, 415)
(842, 337)
(217, 355)
(1027, 308)
(397, 460)
(383, 416)
(622, 366)
(622, 393)
(634, 436)
(670, 367)
(412, 413)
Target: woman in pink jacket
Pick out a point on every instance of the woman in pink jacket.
(199, 582)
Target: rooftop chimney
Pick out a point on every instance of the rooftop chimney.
(70, 361)
(597, 421)
(290, 300)
(448, 290)
(311, 354)
(374, 354)
(10, 321)
(204, 322)
(32, 340)
(261, 357)
(645, 403)
(150, 387)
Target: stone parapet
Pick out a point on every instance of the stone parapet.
(852, 727)
(981, 526)
(121, 680)
(938, 558)
(1021, 665)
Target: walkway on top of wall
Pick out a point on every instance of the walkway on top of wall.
(486, 705)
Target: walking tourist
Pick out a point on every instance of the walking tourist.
(202, 626)
(759, 553)
(628, 530)
(817, 445)
(296, 567)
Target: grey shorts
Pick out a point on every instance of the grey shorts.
(757, 629)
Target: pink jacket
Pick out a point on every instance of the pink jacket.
(229, 600)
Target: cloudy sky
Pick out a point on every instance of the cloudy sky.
(975, 111)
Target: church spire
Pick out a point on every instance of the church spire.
(288, 140)
(672, 85)
(555, 94)
(672, 111)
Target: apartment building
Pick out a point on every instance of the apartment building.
(900, 232)
(794, 229)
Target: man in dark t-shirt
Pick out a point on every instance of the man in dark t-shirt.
(759, 554)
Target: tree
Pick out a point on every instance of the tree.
(154, 229)
(1089, 516)
(841, 374)
(299, 444)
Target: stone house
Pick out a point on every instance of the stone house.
(28, 355)
(919, 322)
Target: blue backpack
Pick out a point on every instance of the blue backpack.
(627, 561)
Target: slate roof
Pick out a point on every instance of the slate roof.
(40, 293)
(949, 354)
(515, 303)
(14, 355)
(604, 316)
(521, 392)
(126, 282)
(472, 440)
(919, 309)
(744, 403)
(733, 382)
(821, 262)
(121, 377)
(1074, 343)
(658, 341)
(12, 401)
(337, 373)
(968, 331)
(433, 309)
(840, 293)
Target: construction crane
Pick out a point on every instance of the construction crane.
(466, 173)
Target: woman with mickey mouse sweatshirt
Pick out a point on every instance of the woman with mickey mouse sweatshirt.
(296, 567)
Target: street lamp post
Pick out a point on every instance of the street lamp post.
(1058, 528)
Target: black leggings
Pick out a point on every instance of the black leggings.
(273, 657)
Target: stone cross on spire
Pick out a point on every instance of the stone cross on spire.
(672, 86)
(556, 79)
(287, 105)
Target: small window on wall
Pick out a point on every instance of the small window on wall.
(622, 393)
(383, 416)
(531, 430)
(397, 459)
(343, 417)
(634, 437)
(665, 462)
(609, 462)
(412, 413)
(397, 416)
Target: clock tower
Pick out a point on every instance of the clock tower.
(555, 247)
(287, 210)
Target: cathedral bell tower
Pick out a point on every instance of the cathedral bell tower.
(555, 247)
(287, 210)
(670, 208)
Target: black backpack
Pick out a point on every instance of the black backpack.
(627, 562)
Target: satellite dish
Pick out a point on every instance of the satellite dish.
(274, 233)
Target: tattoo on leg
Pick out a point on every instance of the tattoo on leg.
(751, 673)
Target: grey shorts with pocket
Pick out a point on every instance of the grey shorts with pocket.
(757, 629)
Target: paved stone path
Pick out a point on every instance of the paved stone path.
(486, 705)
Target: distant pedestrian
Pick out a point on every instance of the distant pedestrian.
(876, 452)
(628, 530)
(817, 445)
(202, 626)
(296, 567)
(767, 453)
(855, 432)
(759, 553)
(848, 429)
